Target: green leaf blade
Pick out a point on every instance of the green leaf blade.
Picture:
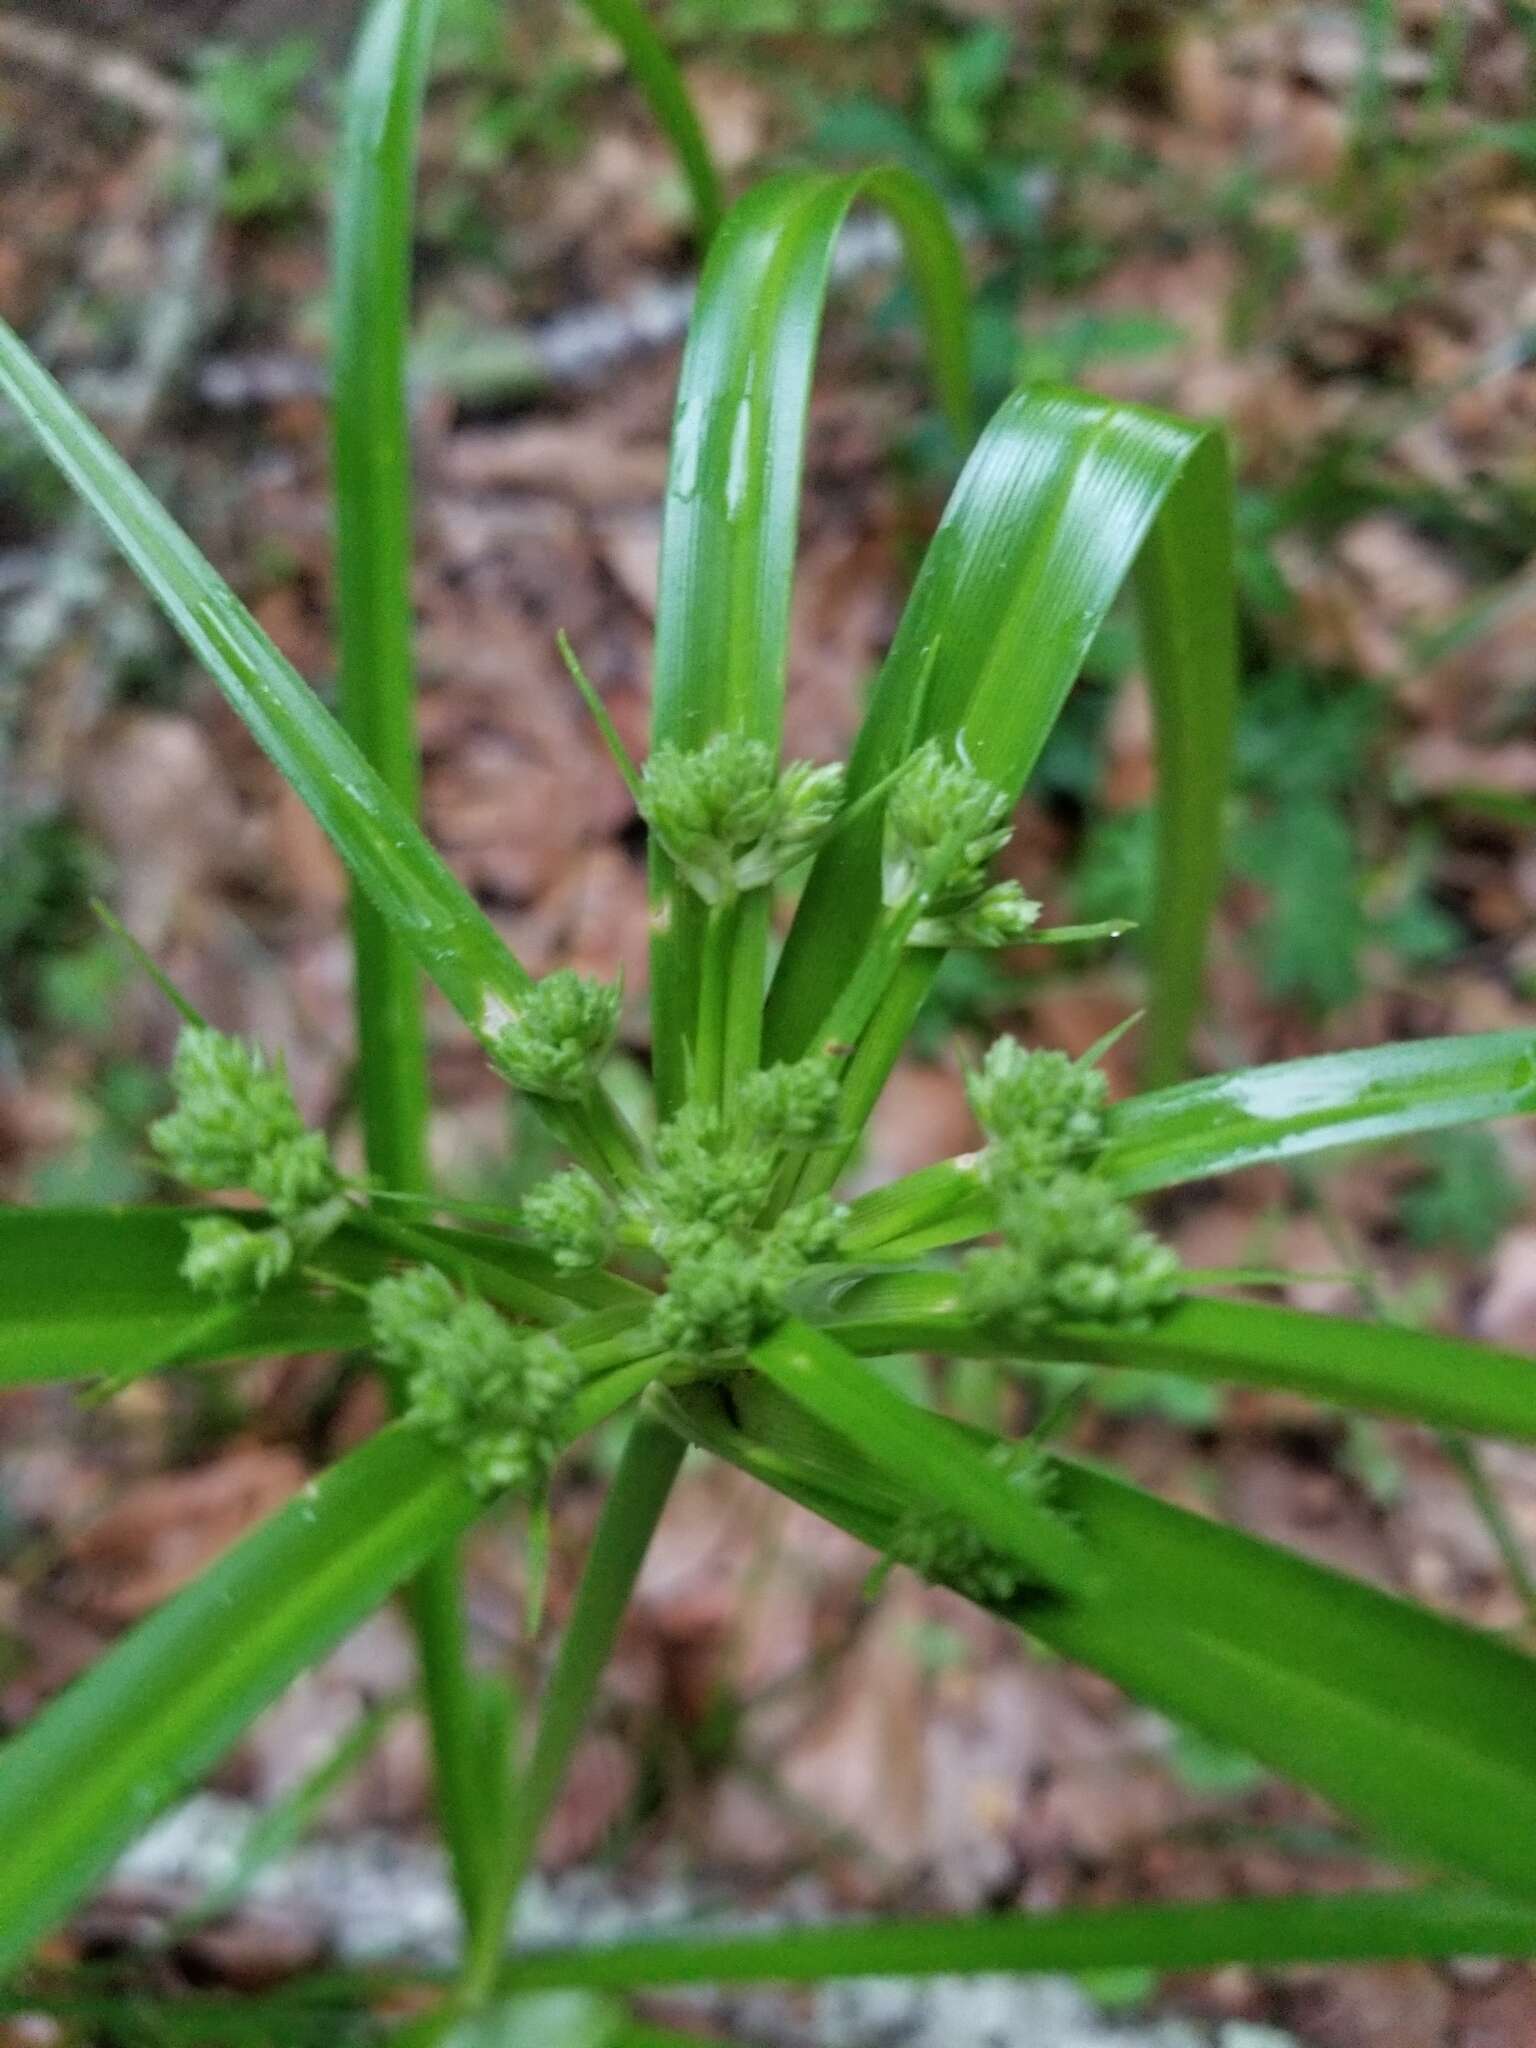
(1337, 1928)
(659, 79)
(1304, 1106)
(1231, 1121)
(372, 484)
(86, 1291)
(1379, 1368)
(450, 936)
(1056, 503)
(732, 509)
(164, 1704)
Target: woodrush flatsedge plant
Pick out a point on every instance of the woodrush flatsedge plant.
(708, 1280)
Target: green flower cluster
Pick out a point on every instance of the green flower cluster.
(727, 816)
(1073, 1251)
(236, 1124)
(944, 822)
(555, 1043)
(727, 1272)
(701, 1207)
(724, 1292)
(947, 1551)
(569, 1217)
(1042, 1111)
(490, 1393)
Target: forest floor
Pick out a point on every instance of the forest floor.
(1320, 232)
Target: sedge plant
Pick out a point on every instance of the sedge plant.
(707, 1280)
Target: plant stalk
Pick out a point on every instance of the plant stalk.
(371, 429)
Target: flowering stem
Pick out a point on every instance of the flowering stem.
(630, 1514)
(714, 1001)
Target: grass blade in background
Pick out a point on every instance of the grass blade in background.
(651, 65)
(1043, 528)
(733, 498)
(1188, 605)
(146, 1721)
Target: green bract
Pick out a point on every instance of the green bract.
(709, 1274)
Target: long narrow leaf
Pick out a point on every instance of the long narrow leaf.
(1345, 1927)
(372, 462)
(1043, 528)
(1345, 1098)
(92, 1291)
(87, 1291)
(165, 1703)
(1186, 597)
(1416, 1725)
(832, 1386)
(445, 928)
(1230, 1121)
(1378, 1367)
(733, 491)
(372, 472)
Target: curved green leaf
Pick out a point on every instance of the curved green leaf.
(662, 83)
(1417, 1725)
(1230, 1121)
(144, 1723)
(1057, 502)
(733, 497)
(1378, 1367)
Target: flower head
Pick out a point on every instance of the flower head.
(488, 1392)
(560, 1036)
(569, 1217)
(946, 1550)
(236, 1124)
(729, 819)
(1042, 1111)
(1073, 1253)
(943, 823)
